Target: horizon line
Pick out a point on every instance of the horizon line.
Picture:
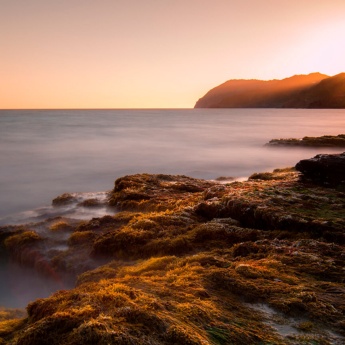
(149, 108)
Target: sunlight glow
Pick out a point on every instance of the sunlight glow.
(150, 54)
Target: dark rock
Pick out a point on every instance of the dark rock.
(323, 141)
(208, 210)
(225, 178)
(262, 176)
(324, 169)
(91, 203)
(245, 249)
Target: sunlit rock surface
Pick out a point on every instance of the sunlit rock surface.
(188, 261)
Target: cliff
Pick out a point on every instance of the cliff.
(314, 90)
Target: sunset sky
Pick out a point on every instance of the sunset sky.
(158, 53)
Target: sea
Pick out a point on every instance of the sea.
(45, 153)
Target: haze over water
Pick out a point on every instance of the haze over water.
(44, 153)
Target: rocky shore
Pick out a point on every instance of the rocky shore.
(323, 141)
(189, 261)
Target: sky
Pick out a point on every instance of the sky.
(158, 53)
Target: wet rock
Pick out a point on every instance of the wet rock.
(22, 240)
(209, 209)
(226, 221)
(64, 199)
(324, 169)
(225, 178)
(248, 271)
(154, 192)
(245, 249)
(324, 141)
(216, 191)
(7, 231)
(93, 202)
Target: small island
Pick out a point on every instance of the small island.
(189, 261)
(323, 141)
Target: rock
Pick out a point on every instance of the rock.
(64, 199)
(93, 202)
(209, 209)
(225, 179)
(324, 169)
(154, 192)
(324, 141)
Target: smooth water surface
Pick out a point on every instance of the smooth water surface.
(44, 153)
(21, 285)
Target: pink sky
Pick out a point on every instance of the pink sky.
(158, 53)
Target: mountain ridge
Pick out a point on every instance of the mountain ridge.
(314, 90)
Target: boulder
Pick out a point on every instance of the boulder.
(324, 169)
(64, 199)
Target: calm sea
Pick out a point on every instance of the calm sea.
(44, 153)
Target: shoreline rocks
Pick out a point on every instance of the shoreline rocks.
(187, 261)
(323, 141)
(324, 169)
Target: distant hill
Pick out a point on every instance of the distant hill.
(314, 90)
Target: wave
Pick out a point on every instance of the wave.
(78, 206)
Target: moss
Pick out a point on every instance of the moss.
(60, 225)
(9, 326)
(180, 335)
(261, 176)
(121, 244)
(103, 272)
(26, 238)
(90, 203)
(8, 314)
(175, 272)
(218, 335)
(148, 266)
(11, 320)
(81, 237)
(305, 326)
(323, 141)
(64, 199)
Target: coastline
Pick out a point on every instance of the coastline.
(337, 141)
(85, 151)
(191, 261)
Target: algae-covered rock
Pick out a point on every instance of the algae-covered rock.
(323, 141)
(154, 192)
(64, 199)
(22, 240)
(189, 261)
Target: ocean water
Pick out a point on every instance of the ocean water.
(44, 153)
